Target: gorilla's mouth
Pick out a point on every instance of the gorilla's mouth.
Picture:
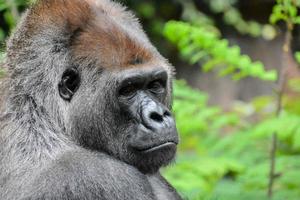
(166, 145)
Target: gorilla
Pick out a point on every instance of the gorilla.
(86, 110)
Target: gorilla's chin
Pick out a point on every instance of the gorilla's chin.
(149, 161)
(152, 149)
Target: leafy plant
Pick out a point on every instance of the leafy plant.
(286, 10)
(197, 44)
(225, 156)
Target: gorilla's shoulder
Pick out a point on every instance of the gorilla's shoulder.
(87, 163)
(87, 175)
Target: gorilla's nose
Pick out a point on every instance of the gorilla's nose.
(157, 117)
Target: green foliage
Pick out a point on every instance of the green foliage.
(297, 57)
(10, 11)
(290, 135)
(199, 44)
(197, 117)
(195, 17)
(286, 10)
(199, 125)
(223, 155)
(233, 17)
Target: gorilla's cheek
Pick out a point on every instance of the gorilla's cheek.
(86, 120)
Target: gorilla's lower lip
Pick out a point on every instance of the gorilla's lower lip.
(159, 147)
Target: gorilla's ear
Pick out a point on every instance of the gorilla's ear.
(69, 84)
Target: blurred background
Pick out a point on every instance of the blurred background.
(236, 94)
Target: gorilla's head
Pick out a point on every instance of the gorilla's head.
(100, 79)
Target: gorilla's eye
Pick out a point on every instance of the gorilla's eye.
(156, 86)
(69, 83)
(128, 90)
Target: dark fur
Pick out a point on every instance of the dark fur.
(54, 149)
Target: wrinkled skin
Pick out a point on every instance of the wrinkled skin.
(136, 118)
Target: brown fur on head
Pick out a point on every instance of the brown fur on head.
(55, 34)
(97, 29)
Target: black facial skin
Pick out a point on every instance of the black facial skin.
(134, 123)
(141, 98)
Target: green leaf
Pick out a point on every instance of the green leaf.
(271, 75)
(296, 140)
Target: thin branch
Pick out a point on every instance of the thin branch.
(280, 92)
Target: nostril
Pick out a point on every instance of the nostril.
(156, 117)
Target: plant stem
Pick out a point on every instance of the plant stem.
(280, 92)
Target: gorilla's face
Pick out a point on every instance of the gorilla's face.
(123, 113)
